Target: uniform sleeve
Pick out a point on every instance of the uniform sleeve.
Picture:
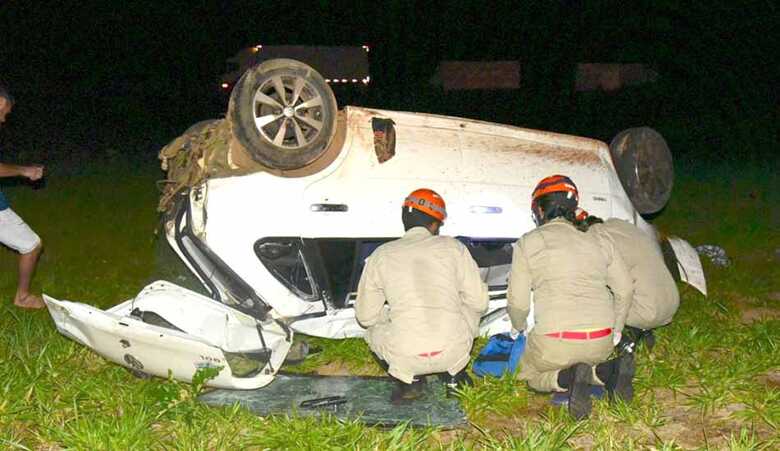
(473, 292)
(622, 286)
(370, 296)
(518, 294)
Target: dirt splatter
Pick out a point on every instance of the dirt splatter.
(562, 154)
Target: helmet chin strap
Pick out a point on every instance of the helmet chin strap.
(538, 215)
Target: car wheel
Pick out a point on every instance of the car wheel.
(644, 165)
(283, 114)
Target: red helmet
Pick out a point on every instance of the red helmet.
(427, 201)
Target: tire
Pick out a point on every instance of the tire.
(644, 165)
(283, 113)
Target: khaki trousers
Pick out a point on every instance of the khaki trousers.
(544, 357)
(451, 359)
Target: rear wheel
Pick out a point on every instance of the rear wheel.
(283, 113)
(644, 165)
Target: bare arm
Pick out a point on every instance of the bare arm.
(518, 294)
(370, 296)
(33, 172)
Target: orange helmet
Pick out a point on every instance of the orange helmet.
(581, 214)
(555, 184)
(427, 201)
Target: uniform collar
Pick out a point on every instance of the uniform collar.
(558, 220)
(418, 231)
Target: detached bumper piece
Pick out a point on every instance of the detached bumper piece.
(167, 328)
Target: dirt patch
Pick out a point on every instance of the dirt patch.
(583, 441)
(340, 368)
(751, 315)
(727, 411)
(536, 406)
(336, 368)
(682, 426)
(687, 427)
(444, 438)
(771, 378)
(774, 296)
(494, 422)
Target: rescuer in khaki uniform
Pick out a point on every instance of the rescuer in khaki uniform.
(420, 298)
(656, 298)
(569, 272)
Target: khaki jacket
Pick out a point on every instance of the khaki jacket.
(433, 289)
(656, 298)
(568, 272)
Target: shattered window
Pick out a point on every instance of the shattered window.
(338, 257)
(344, 260)
(284, 258)
(494, 258)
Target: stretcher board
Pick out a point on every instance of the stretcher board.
(345, 397)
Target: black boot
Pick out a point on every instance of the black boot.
(633, 336)
(649, 339)
(626, 345)
(579, 391)
(455, 382)
(406, 393)
(620, 383)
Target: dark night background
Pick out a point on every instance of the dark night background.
(96, 79)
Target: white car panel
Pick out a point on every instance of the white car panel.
(209, 330)
(689, 264)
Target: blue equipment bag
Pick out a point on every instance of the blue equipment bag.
(500, 355)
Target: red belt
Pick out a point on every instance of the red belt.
(430, 354)
(581, 335)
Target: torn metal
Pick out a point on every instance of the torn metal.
(170, 329)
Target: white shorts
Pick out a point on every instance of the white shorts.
(16, 234)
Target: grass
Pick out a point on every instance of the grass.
(705, 385)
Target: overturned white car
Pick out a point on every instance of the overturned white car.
(276, 207)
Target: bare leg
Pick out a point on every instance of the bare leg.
(27, 264)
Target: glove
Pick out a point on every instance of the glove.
(616, 336)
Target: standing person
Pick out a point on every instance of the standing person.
(14, 233)
(420, 298)
(576, 318)
(656, 298)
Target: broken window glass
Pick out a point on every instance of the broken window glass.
(344, 260)
(494, 258)
(284, 258)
